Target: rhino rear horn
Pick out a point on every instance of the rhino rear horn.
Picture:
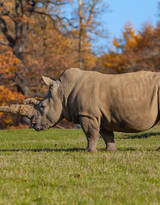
(24, 110)
(48, 81)
(51, 82)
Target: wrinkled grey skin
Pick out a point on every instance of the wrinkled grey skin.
(101, 103)
(49, 110)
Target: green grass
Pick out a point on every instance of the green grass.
(48, 168)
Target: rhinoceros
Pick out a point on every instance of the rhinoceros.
(101, 103)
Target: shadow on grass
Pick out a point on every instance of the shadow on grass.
(70, 150)
(43, 150)
(127, 149)
(118, 149)
(62, 150)
(143, 135)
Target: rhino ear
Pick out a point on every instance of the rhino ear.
(48, 81)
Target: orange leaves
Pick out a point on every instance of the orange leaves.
(114, 61)
(134, 50)
(8, 66)
(7, 97)
(8, 62)
(116, 43)
(129, 39)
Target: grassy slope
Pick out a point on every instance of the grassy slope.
(49, 168)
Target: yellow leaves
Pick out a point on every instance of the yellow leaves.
(89, 60)
(148, 29)
(116, 43)
(129, 39)
(128, 29)
(115, 61)
(128, 42)
(134, 50)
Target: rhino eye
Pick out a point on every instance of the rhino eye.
(41, 107)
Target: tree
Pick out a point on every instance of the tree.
(134, 50)
(8, 92)
(40, 37)
(16, 19)
(87, 28)
(30, 36)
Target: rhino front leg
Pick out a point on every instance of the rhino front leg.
(108, 137)
(91, 131)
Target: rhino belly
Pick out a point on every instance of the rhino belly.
(134, 122)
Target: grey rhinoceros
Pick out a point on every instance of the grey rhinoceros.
(101, 103)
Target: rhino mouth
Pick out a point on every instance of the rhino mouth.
(39, 128)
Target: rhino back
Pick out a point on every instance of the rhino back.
(132, 101)
(125, 102)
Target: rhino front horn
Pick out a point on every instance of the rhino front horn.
(31, 101)
(24, 110)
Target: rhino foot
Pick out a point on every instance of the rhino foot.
(90, 150)
(111, 147)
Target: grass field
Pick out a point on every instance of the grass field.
(51, 167)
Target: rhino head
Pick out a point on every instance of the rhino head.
(45, 113)
(49, 110)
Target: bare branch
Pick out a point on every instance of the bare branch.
(4, 29)
(56, 3)
(48, 15)
(91, 13)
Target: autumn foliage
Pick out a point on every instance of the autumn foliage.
(133, 51)
(38, 38)
(8, 92)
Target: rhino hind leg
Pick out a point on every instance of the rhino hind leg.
(108, 137)
(91, 131)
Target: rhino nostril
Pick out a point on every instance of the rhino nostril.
(33, 124)
(37, 128)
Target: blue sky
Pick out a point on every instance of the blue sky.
(136, 11)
